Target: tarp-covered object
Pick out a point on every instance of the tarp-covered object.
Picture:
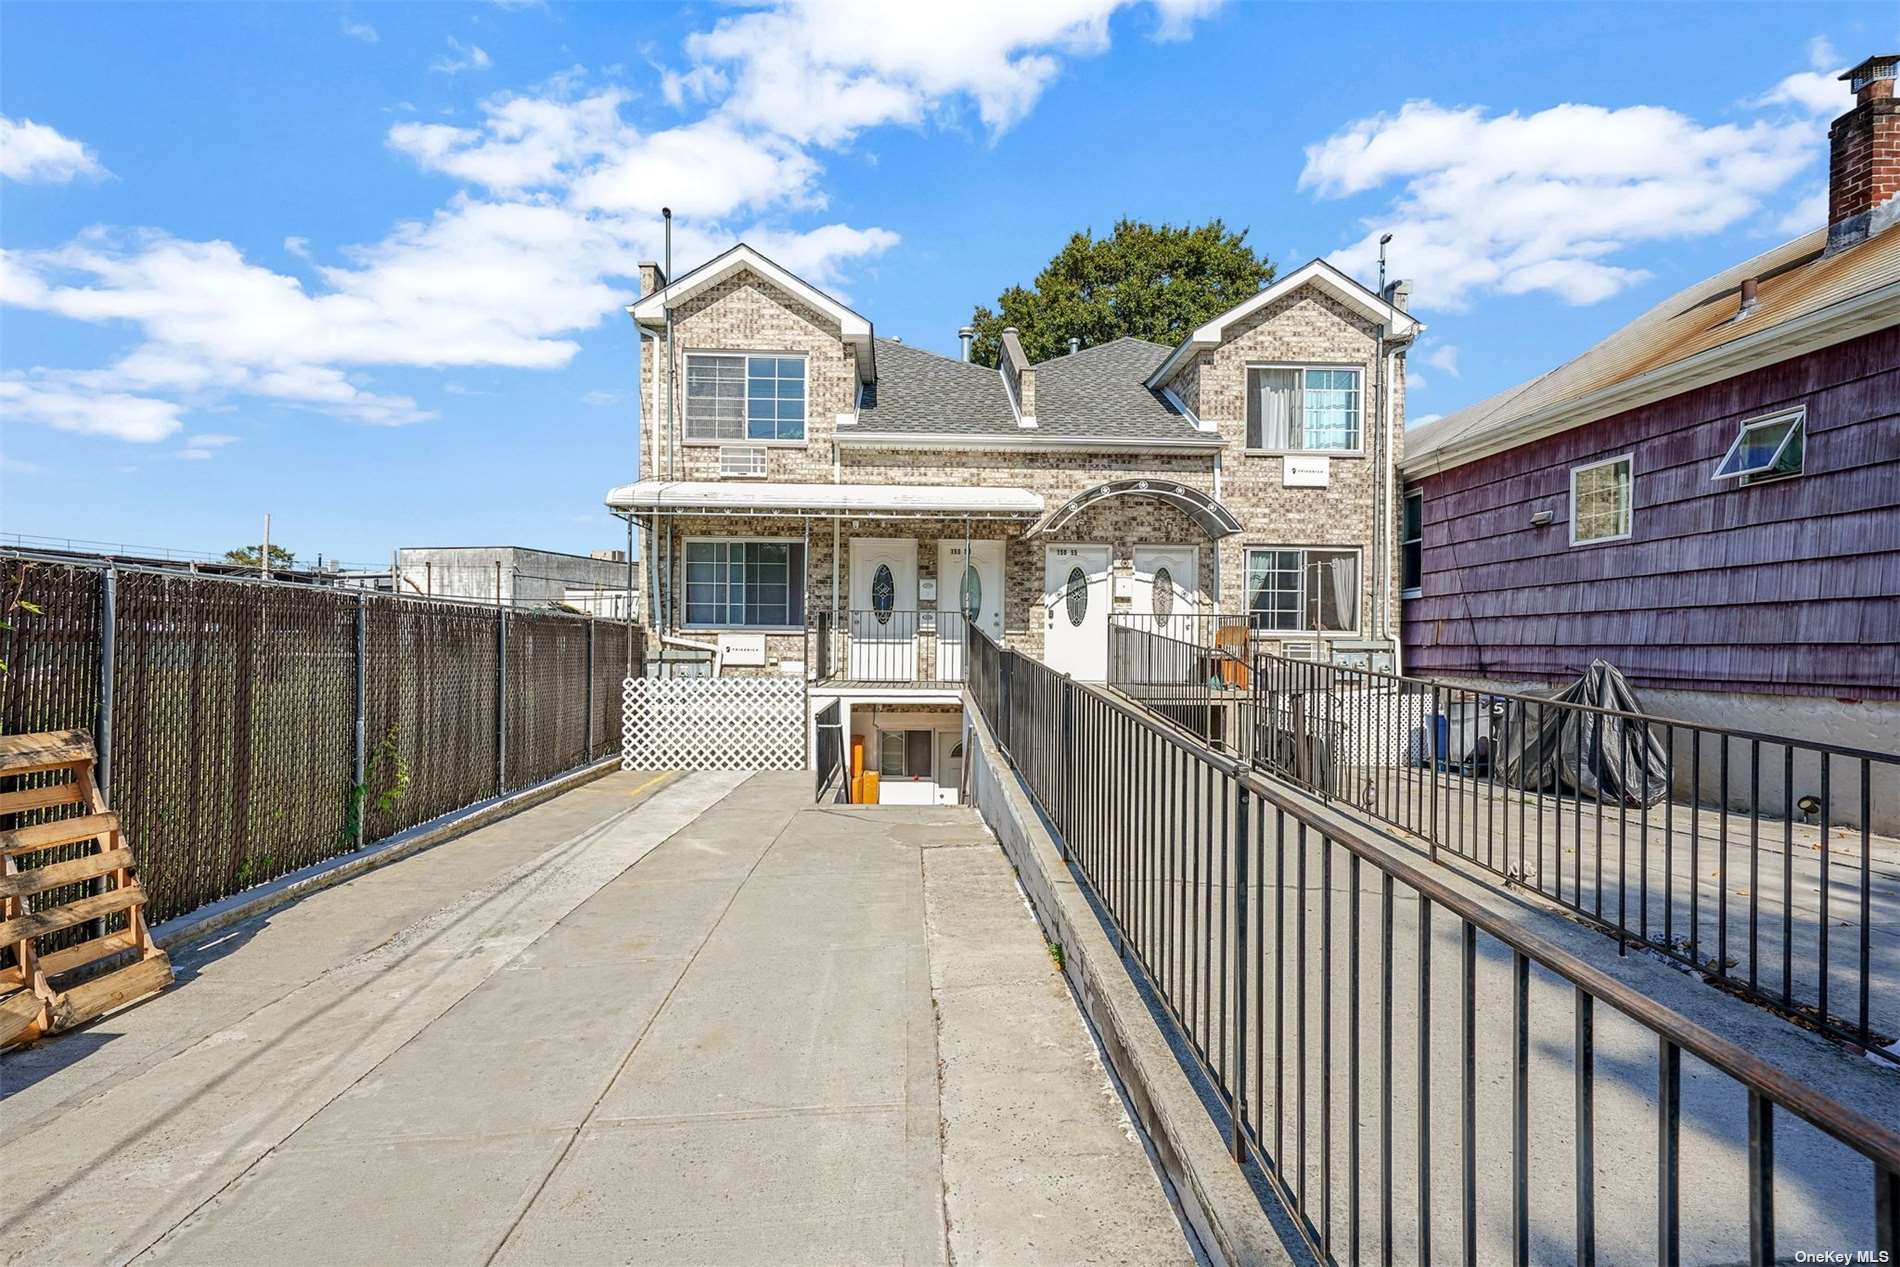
(1558, 749)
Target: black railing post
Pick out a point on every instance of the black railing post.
(1071, 762)
(1242, 842)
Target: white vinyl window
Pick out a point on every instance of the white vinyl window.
(1294, 409)
(1600, 500)
(1303, 590)
(737, 396)
(745, 584)
(1766, 449)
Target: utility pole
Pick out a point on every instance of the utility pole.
(263, 559)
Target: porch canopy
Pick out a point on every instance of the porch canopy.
(824, 501)
(1214, 519)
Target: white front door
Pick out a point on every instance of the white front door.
(882, 624)
(968, 586)
(1167, 590)
(1075, 611)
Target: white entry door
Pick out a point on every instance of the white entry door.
(949, 766)
(969, 587)
(882, 625)
(1167, 590)
(1075, 611)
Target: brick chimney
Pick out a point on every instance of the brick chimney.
(1864, 157)
(652, 277)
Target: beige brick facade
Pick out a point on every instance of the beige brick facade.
(745, 313)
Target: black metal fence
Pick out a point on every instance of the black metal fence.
(923, 648)
(829, 756)
(1748, 857)
(1399, 1059)
(1200, 686)
(248, 728)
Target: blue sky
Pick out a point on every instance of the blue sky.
(362, 266)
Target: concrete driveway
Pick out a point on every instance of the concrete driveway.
(685, 1020)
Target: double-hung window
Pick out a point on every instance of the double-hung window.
(1303, 591)
(745, 584)
(1303, 409)
(1412, 544)
(1600, 499)
(738, 396)
(1766, 449)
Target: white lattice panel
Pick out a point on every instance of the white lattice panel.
(716, 723)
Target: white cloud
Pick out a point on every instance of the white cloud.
(46, 400)
(1422, 419)
(19, 466)
(603, 399)
(823, 70)
(357, 29)
(1517, 203)
(34, 153)
(461, 57)
(1817, 90)
(1416, 382)
(1806, 215)
(1443, 356)
(204, 445)
(555, 205)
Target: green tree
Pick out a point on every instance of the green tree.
(248, 556)
(1153, 282)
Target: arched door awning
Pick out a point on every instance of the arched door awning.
(1214, 519)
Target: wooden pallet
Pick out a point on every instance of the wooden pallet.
(33, 1001)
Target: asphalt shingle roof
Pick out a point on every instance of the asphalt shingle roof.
(1796, 278)
(1098, 392)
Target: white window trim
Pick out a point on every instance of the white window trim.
(1246, 596)
(687, 441)
(1748, 480)
(1575, 471)
(1247, 374)
(801, 582)
(1414, 591)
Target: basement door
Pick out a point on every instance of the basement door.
(1075, 611)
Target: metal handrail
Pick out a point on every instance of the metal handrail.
(1157, 827)
(1505, 807)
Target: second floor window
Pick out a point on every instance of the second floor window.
(1293, 409)
(733, 396)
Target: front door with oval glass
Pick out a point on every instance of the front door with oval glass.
(1167, 591)
(969, 588)
(881, 627)
(1075, 611)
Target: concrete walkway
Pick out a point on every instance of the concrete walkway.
(686, 1021)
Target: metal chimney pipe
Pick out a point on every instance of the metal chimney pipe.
(1075, 345)
(966, 334)
(1748, 294)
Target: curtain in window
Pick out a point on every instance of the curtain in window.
(1345, 591)
(1273, 410)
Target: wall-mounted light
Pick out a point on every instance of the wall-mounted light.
(1542, 518)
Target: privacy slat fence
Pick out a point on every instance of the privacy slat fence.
(1419, 1077)
(247, 728)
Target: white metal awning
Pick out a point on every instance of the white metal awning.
(823, 501)
(1213, 518)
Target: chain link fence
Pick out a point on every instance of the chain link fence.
(248, 728)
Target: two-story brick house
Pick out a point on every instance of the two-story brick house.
(817, 500)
